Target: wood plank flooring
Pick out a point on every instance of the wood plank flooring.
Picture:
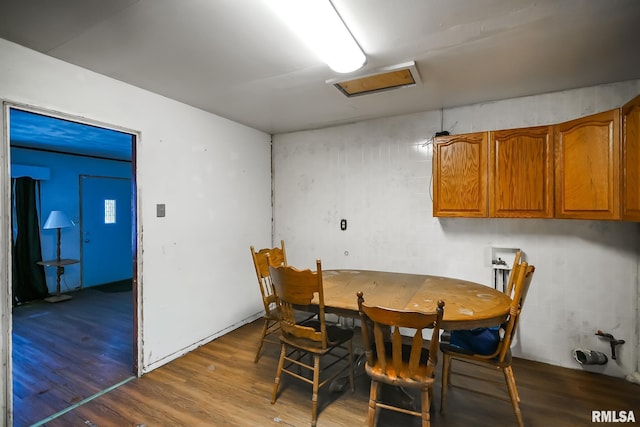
(219, 385)
(68, 351)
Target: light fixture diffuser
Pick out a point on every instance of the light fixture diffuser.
(318, 24)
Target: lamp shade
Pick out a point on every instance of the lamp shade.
(57, 219)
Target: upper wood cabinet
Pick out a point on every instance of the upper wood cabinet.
(588, 168)
(460, 175)
(521, 173)
(587, 165)
(631, 160)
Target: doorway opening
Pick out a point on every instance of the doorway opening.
(71, 348)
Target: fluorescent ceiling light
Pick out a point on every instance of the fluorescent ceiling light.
(318, 24)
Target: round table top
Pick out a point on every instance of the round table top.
(467, 304)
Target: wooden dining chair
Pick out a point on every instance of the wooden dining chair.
(500, 357)
(271, 319)
(390, 361)
(296, 290)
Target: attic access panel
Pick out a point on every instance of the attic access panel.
(403, 75)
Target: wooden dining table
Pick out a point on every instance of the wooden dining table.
(467, 304)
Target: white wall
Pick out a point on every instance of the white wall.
(377, 175)
(195, 272)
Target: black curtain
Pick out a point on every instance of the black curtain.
(29, 280)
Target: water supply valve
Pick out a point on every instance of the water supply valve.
(612, 341)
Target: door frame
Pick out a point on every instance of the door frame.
(6, 364)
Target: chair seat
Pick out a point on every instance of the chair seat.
(463, 353)
(335, 337)
(390, 376)
(273, 315)
(446, 347)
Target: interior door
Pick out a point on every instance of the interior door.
(105, 221)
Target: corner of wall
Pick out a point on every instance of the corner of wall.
(273, 195)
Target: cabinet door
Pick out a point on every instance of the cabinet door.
(631, 160)
(521, 178)
(460, 175)
(587, 156)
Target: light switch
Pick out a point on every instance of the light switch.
(160, 210)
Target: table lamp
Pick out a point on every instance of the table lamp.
(58, 220)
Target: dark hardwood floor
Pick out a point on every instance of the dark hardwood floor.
(68, 351)
(219, 385)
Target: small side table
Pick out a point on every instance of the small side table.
(59, 264)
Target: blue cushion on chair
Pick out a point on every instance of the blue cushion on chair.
(479, 341)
